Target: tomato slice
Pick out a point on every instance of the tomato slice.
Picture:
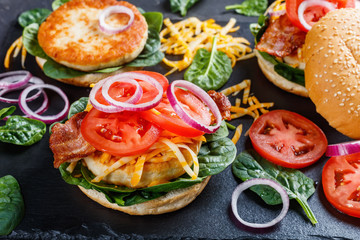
(123, 91)
(341, 183)
(119, 134)
(312, 15)
(287, 139)
(170, 121)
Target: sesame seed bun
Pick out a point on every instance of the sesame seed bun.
(268, 69)
(332, 72)
(170, 202)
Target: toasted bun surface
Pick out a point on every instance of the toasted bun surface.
(332, 72)
(281, 82)
(90, 78)
(170, 202)
(72, 37)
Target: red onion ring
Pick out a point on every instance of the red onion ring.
(309, 3)
(46, 119)
(260, 181)
(14, 79)
(33, 80)
(202, 95)
(106, 28)
(341, 149)
(273, 13)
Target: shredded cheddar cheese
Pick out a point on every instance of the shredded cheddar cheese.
(14, 48)
(237, 134)
(186, 37)
(71, 167)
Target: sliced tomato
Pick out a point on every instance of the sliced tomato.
(119, 134)
(341, 183)
(313, 14)
(287, 139)
(170, 121)
(123, 91)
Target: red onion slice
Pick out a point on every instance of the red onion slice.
(33, 80)
(46, 119)
(14, 79)
(202, 95)
(106, 28)
(341, 149)
(310, 3)
(260, 181)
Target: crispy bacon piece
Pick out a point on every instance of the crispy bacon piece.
(67, 143)
(281, 38)
(222, 102)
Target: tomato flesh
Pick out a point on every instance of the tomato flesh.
(170, 121)
(287, 139)
(312, 14)
(341, 183)
(119, 134)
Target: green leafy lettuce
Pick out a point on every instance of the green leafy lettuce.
(250, 7)
(249, 164)
(57, 3)
(181, 6)
(37, 15)
(209, 70)
(12, 206)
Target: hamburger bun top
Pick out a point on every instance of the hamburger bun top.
(71, 35)
(332, 72)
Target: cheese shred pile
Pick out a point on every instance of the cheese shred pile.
(184, 38)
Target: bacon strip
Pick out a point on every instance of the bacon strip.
(222, 102)
(67, 143)
(281, 38)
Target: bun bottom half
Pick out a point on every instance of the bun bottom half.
(169, 202)
(268, 69)
(88, 79)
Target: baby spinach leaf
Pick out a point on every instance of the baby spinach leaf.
(215, 156)
(57, 3)
(74, 178)
(209, 70)
(154, 20)
(250, 7)
(108, 70)
(12, 206)
(152, 44)
(78, 106)
(22, 131)
(37, 15)
(30, 41)
(152, 60)
(222, 132)
(55, 70)
(181, 6)
(249, 164)
(7, 111)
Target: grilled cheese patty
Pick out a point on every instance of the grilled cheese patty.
(71, 35)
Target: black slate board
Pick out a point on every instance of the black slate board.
(55, 209)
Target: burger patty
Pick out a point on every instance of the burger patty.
(71, 35)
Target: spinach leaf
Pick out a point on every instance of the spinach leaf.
(181, 6)
(209, 70)
(108, 70)
(290, 73)
(154, 20)
(147, 62)
(249, 164)
(57, 3)
(74, 178)
(222, 132)
(78, 106)
(12, 206)
(250, 7)
(259, 28)
(37, 15)
(30, 40)
(22, 131)
(7, 111)
(215, 156)
(152, 44)
(55, 70)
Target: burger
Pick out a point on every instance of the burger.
(280, 36)
(84, 41)
(332, 72)
(150, 155)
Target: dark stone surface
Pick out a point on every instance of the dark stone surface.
(55, 209)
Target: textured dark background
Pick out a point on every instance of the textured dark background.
(55, 209)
